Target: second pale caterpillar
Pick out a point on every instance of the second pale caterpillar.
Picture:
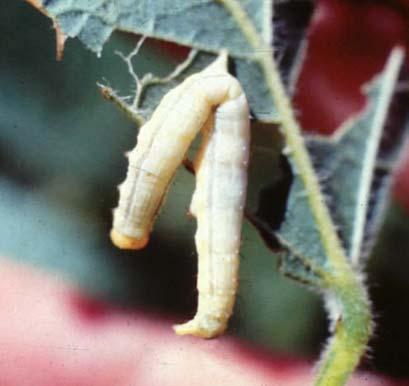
(212, 101)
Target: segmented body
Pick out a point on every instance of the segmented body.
(212, 101)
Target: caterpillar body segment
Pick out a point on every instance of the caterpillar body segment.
(218, 202)
(214, 102)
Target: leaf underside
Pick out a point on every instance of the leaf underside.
(201, 24)
(354, 180)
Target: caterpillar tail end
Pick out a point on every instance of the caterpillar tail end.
(206, 328)
(127, 242)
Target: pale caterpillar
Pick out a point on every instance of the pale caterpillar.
(214, 102)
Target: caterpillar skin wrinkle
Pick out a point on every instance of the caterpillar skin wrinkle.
(211, 101)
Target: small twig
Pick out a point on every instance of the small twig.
(128, 60)
(180, 68)
(110, 95)
(133, 110)
(149, 79)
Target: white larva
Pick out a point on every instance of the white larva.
(212, 101)
(218, 205)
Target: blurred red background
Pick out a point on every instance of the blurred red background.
(349, 42)
(86, 343)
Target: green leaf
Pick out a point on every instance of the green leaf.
(202, 24)
(346, 165)
(199, 23)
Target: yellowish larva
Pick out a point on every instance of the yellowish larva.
(213, 101)
(218, 204)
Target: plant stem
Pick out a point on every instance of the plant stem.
(353, 328)
(111, 96)
(352, 331)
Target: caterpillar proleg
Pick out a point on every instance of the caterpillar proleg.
(214, 102)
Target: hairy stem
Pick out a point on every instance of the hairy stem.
(353, 328)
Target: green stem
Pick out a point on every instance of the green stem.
(353, 329)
